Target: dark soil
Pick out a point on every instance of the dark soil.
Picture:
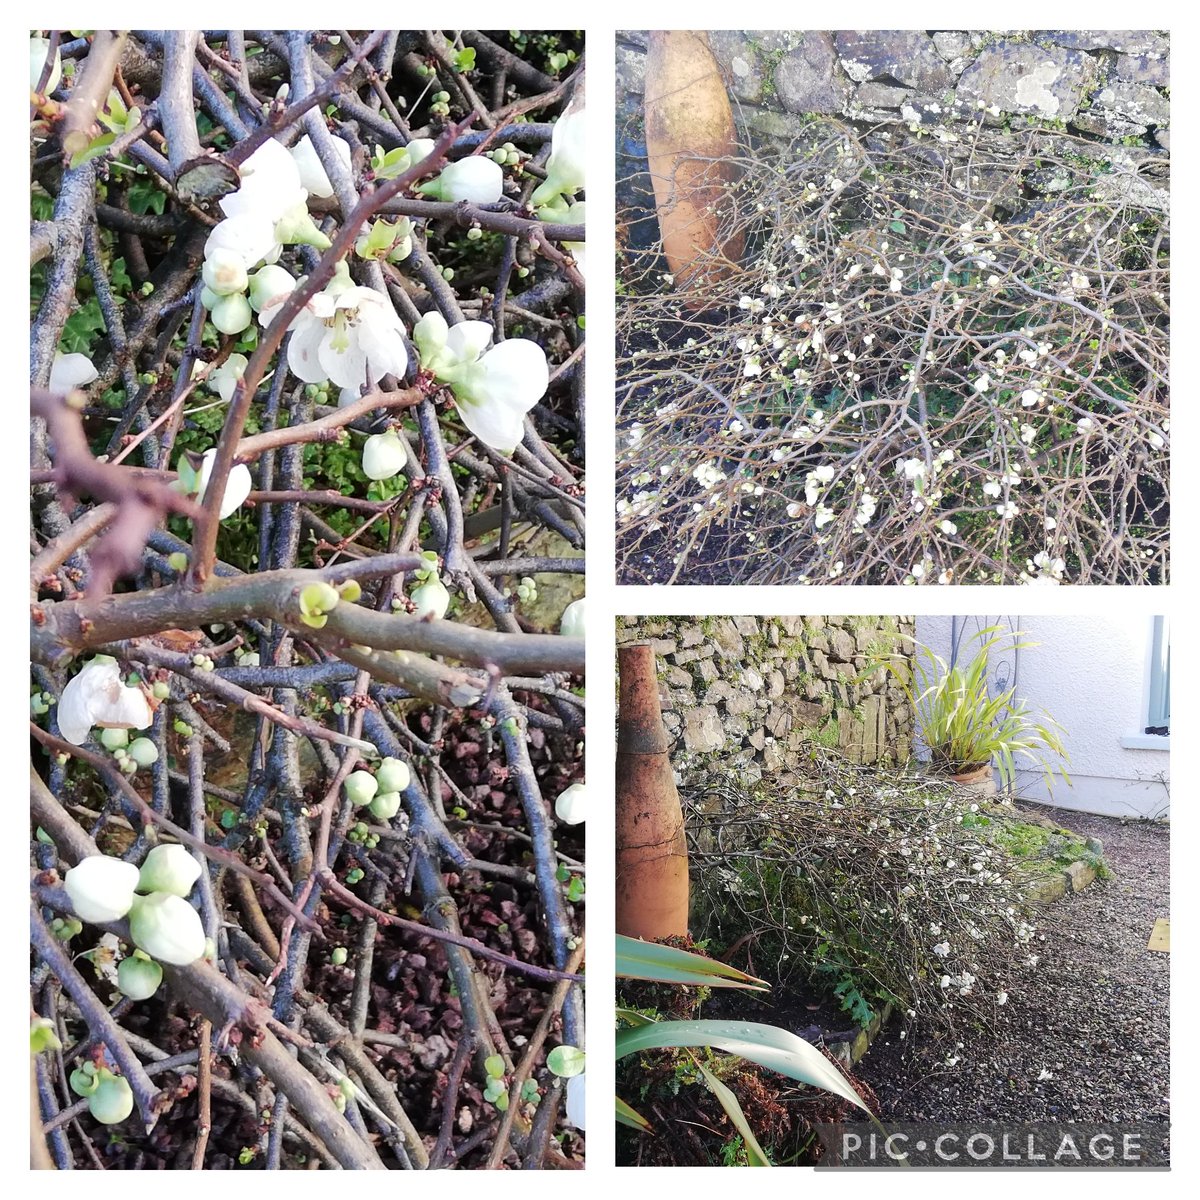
(1093, 1013)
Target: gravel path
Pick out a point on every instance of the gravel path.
(1094, 1012)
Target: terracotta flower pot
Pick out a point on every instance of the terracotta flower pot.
(652, 861)
(976, 778)
(690, 143)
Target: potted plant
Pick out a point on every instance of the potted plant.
(967, 730)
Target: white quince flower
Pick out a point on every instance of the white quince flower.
(571, 804)
(251, 236)
(167, 928)
(477, 180)
(982, 384)
(269, 185)
(494, 393)
(96, 696)
(101, 888)
(347, 338)
(566, 169)
(308, 163)
(493, 389)
(574, 619)
(169, 868)
(238, 486)
(267, 211)
(575, 214)
(39, 50)
(71, 371)
(1030, 397)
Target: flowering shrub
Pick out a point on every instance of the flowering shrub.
(943, 361)
(872, 885)
(300, 719)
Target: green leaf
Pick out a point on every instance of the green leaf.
(464, 60)
(665, 964)
(566, 1061)
(494, 1066)
(776, 1049)
(627, 1116)
(755, 1155)
(94, 149)
(897, 226)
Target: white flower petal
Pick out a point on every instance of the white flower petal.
(71, 371)
(467, 340)
(308, 163)
(308, 331)
(238, 486)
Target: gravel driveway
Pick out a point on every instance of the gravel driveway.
(1093, 1013)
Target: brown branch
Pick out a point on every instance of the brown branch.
(90, 93)
(151, 816)
(547, 974)
(525, 1067)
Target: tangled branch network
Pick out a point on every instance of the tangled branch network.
(869, 886)
(307, 598)
(942, 359)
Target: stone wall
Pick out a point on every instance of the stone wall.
(1092, 93)
(747, 694)
(1111, 84)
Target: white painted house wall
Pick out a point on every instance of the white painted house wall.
(1092, 675)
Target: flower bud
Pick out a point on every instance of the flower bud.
(269, 285)
(112, 1101)
(39, 51)
(385, 806)
(571, 806)
(101, 888)
(114, 739)
(317, 600)
(393, 775)
(231, 314)
(169, 868)
(574, 619)
(224, 272)
(419, 149)
(138, 977)
(384, 455)
(296, 227)
(431, 599)
(361, 787)
(143, 752)
(477, 180)
(168, 928)
(339, 956)
(83, 1080)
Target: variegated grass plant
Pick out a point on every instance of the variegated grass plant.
(962, 723)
